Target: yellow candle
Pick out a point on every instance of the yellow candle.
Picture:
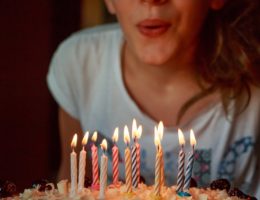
(157, 181)
(160, 133)
(128, 167)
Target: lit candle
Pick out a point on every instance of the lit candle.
(157, 181)
(138, 152)
(103, 170)
(128, 171)
(160, 133)
(180, 178)
(94, 153)
(136, 134)
(73, 167)
(115, 155)
(82, 163)
(189, 167)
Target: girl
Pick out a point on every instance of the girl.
(188, 63)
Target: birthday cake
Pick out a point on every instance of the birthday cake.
(218, 190)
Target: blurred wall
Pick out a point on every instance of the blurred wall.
(29, 33)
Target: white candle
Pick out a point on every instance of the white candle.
(82, 163)
(103, 170)
(73, 167)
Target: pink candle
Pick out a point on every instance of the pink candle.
(115, 158)
(94, 153)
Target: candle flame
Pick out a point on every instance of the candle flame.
(134, 129)
(115, 135)
(104, 144)
(74, 141)
(139, 130)
(181, 137)
(160, 130)
(193, 141)
(156, 138)
(126, 135)
(94, 136)
(85, 139)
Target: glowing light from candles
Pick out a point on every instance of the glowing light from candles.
(126, 135)
(94, 136)
(181, 137)
(134, 129)
(193, 141)
(156, 138)
(139, 131)
(85, 138)
(74, 141)
(104, 144)
(160, 130)
(115, 135)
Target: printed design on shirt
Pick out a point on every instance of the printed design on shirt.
(201, 166)
(228, 164)
(170, 167)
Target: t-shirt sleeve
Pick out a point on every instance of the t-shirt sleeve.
(62, 78)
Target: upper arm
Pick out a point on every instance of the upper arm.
(68, 126)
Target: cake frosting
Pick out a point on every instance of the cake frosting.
(143, 192)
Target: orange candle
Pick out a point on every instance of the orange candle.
(128, 169)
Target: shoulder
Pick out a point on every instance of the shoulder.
(92, 37)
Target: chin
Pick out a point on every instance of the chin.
(152, 59)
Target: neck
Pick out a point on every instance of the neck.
(163, 76)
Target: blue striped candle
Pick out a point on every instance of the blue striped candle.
(189, 167)
(180, 177)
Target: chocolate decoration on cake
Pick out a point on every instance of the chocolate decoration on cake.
(220, 184)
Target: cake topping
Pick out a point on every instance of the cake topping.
(7, 189)
(238, 193)
(41, 184)
(220, 184)
(193, 183)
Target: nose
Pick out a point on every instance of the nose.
(155, 1)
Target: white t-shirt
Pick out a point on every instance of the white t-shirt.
(85, 79)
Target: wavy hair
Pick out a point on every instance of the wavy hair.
(229, 53)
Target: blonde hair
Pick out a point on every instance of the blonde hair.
(229, 53)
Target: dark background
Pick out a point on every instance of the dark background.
(29, 33)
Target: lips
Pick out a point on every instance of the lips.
(153, 27)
